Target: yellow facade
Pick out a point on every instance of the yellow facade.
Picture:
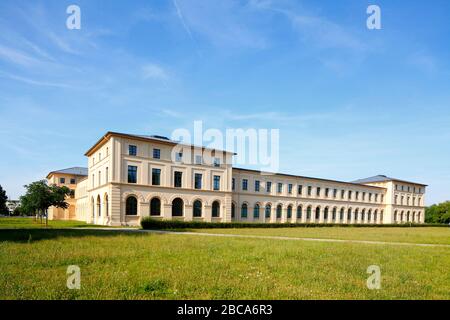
(130, 177)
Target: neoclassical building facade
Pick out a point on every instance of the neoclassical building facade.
(132, 176)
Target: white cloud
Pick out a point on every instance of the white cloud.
(16, 56)
(154, 71)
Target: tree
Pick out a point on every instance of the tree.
(438, 213)
(40, 196)
(3, 199)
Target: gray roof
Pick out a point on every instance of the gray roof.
(78, 171)
(383, 178)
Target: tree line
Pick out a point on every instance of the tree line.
(438, 213)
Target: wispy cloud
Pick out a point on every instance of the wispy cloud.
(16, 56)
(181, 18)
(154, 71)
(422, 61)
(34, 82)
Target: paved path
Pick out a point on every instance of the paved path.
(270, 237)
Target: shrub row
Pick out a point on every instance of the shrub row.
(149, 223)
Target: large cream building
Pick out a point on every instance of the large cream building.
(131, 176)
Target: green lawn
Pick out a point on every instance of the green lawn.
(124, 265)
(430, 235)
(30, 223)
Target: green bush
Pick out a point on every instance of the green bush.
(150, 223)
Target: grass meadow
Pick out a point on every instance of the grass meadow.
(125, 265)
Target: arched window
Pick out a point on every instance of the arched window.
(289, 212)
(308, 213)
(99, 207)
(131, 206)
(418, 217)
(381, 215)
(106, 204)
(375, 214)
(363, 214)
(333, 215)
(177, 207)
(414, 216)
(407, 216)
(349, 214)
(155, 207)
(93, 207)
(244, 211)
(233, 210)
(355, 215)
(369, 216)
(197, 207)
(268, 210)
(317, 213)
(216, 209)
(401, 216)
(341, 214)
(299, 212)
(325, 214)
(279, 211)
(256, 211)
(395, 216)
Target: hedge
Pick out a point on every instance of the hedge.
(150, 223)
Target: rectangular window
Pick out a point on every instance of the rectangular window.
(318, 192)
(335, 193)
(363, 196)
(309, 190)
(244, 184)
(177, 179)
(257, 183)
(290, 188)
(156, 154)
(72, 181)
(233, 184)
(381, 198)
(107, 175)
(178, 156)
(93, 180)
(156, 177)
(198, 159)
(370, 197)
(216, 162)
(99, 178)
(300, 189)
(62, 180)
(216, 182)
(376, 197)
(279, 187)
(327, 192)
(349, 195)
(132, 174)
(198, 181)
(269, 186)
(357, 195)
(132, 150)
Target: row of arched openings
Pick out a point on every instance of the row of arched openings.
(335, 214)
(406, 217)
(177, 207)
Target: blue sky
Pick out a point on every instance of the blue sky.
(349, 102)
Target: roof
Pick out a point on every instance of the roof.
(76, 171)
(304, 177)
(383, 178)
(159, 139)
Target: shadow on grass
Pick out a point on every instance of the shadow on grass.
(32, 235)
